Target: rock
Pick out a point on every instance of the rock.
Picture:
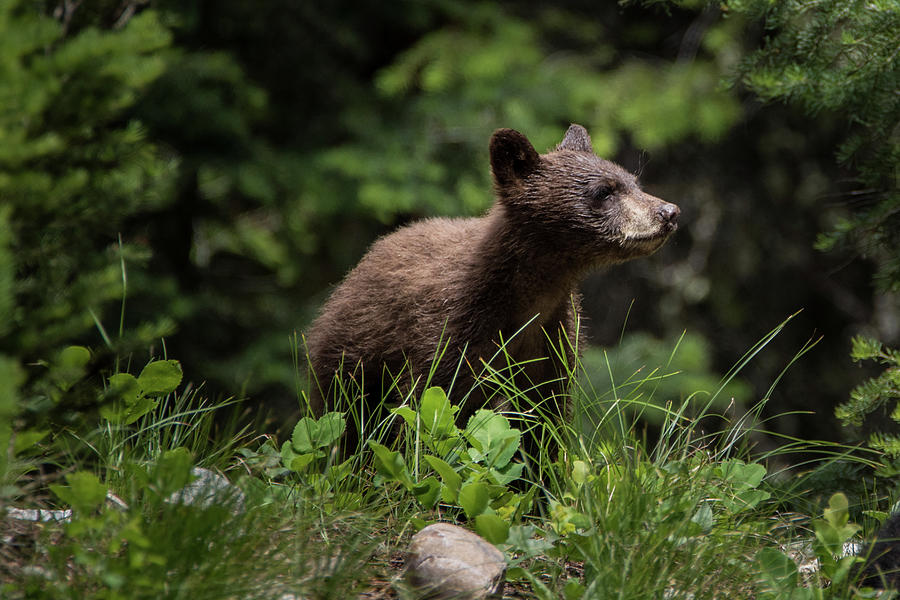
(447, 561)
(39, 514)
(62, 516)
(209, 489)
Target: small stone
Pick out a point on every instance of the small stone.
(447, 561)
(209, 489)
(39, 514)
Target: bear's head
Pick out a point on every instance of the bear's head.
(589, 205)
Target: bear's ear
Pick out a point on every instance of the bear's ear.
(576, 139)
(512, 156)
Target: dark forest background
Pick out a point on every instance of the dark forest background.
(225, 163)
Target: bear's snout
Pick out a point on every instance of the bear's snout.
(668, 214)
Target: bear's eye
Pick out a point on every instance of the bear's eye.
(602, 190)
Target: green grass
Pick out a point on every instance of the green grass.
(600, 510)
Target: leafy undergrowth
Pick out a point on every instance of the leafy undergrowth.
(595, 510)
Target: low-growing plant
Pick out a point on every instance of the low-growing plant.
(834, 556)
(312, 457)
(133, 397)
(615, 514)
(133, 529)
(642, 529)
(471, 468)
(156, 544)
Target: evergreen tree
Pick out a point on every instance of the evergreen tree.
(876, 396)
(73, 169)
(843, 57)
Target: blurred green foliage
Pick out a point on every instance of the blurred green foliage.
(74, 169)
(664, 373)
(489, 67)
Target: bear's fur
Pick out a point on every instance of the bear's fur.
(466, 286)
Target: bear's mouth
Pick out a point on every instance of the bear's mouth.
(661, 235)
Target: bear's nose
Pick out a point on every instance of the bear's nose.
(668, 213)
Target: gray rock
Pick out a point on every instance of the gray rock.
(209, 489)
(63, 516)
(446, 561)
(39, 514)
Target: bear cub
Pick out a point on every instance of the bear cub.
(458, 289)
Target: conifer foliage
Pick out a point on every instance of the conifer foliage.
(73, 168)
(881, 393)
(841, 57)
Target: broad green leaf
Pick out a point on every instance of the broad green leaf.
(74, 357)
(492, 528)
(483, 427)
(160, 377)
(743, 475)
(579, 472)
(391, 465)
(704, 517)
(339, 472)
(83, 493)
(427, 491)
(508, 474)
(70, 366)
(172, 471)
(503, 448)
(452, 480)
(751, 498)
(491, 434)
(287, 454)
(878, 515)
(834, 529)
(437, 414)
(838, 511)
(331, 428)
(745, 499)
(125, 386)
(299, 462)
(305, 434)
(407, 414)
(27, 439)
(833, 537)
(524, 504)
(125, 414)
(779, 571)
(474, 498)
(140, 408)
(310, 434)
(573, 590)
(294, 461)
(580, 520)
(524, 540)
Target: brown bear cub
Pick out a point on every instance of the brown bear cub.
(460, 289)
